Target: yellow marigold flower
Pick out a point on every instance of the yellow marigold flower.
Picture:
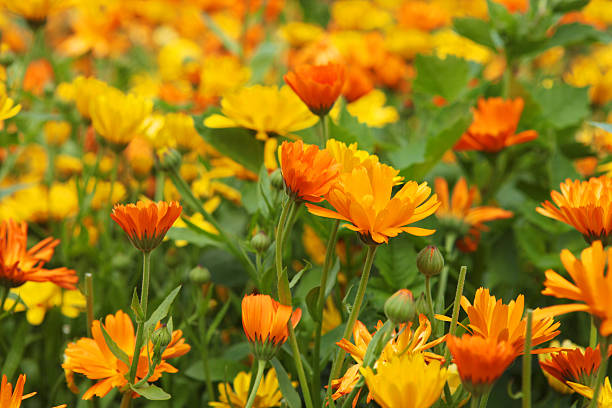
(198, 220)
(359, 15)
(118, 117)
(265, 109)
(331, 316)
(140, 157)
(447, 42)
(67, 166)
(84, 91)
(8, 109)
(31, 165)
(63, 201)
(371, 110)
(600, 10)
(313, 245)
(592, 72)
(180, 131)
(56, 132)
(268, 394)
(298, 33)
(222, 74)
(42, 296)
(407, 42)
(178, 57)
(464, 8)
(35, 10)
(29, 204)
(102, 193)
(605, 395)
(406, 381)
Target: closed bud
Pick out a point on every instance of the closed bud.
(199, 275)
(260, 242)
(420, 305)
(401, 307)
(161, 337)
(277, 181)
(170, 159)
(430, 261)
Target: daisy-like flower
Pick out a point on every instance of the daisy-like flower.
(10, 398)
(307, 171)
(92, 357)
(268, 394)
(590, 287)
(494, 126)
(457, 213)
(83, 91)
(19, 265)
(480, 361)
(318, 86)
(146, 223)
(490, 318)
(578, 366)
(35, 10)
(8, 109)
(605, 395)
(406, 341)
(265, 324)
(363, 198)
(585, 205)
(391, 387)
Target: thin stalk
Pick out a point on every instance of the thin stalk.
(430, 303)
(284, 292)
(144, 298)
(261, 364)
(604, 341)
(527, 362)
(449, 254)
(348, 330)
(5, 293)
(329, 256)
(323, 130)
(474, 401)
(126, 400)
(456, 304)
(298, 365)
(484, 399)
(89, 298)
(159, 185)
(593, 334)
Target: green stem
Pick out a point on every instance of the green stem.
(5, 293)
(527, 362)
(297, 356)
(348, 330)
(430, 303)
(474, 401)
(449, 246)
(144, 298)
(593, 334)
(456, 305)
(604, 341)
(484, 399)
(159, 185)
(323, 130)
(89, 298)
(284, 293)
(126, 400)
(329, 255)
(261, 364)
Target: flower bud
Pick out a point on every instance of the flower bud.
(400, 307)
(260, 242)
(430, 261)
(161, 337)
(277, 181)
(199, 275)
(56, 132)
(170, 159)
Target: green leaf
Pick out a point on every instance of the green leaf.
(219, 368)
(136, 307)
(291, 396)
(474, 29)
(193, 237)
(151, 392)
(161, 311)
(396, 263)
(264, 58)
(377, 344)
(311, 302)
(114, 348)
(447, 77)
(297, 276)
(7, 191)
(562, 105)
(350, 130)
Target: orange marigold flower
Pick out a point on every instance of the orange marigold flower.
(19, 265)
(92, 357)
(585, 205)
(480, 361)
(591, 285)
(38, 74)
(10, 398)
(457, 213)
(490, 318)
(363, 198)
(308, 172)
(573, 365)
(493, 127)
(318, 86)
(265, 323)
(146, 223)
(515, 5)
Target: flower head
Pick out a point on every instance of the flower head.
(146, 223)
(457, 213)
(307, 171)
(268, 394)
(19, 264)
(35, 10)
(8, 109)
(605, 396)
(576, 365)
(494, 126)
(585, 205)
(391, 387)
(591, 285)
(318, 86)
(480, 361)
(363, 198)
(265, 323)
(92, 357)
(84, 91)
(10, 398)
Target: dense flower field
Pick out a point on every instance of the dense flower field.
(305, 203)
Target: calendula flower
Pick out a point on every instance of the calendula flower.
(180, 132)
(422, 15)
(590, 285)
(146, 223)
(494, 126)
(456, 212)
(515, 5)
(140, 157)
(555, 384)
(56, 132)
(221, 74)
(480, 361)
(35, 10)
(585, 205)
(268, 393)
(299, 34)
(605, 395)
(406, 381)
(10, 398)
(19, 265)
(578, 366)
(265, 324)
(63, 200)
(105, 192)
(318, 86)
(307, 171)
(92, 357)
(595, 72)
(363, 198)
(448, 42)
(359, 15)
(8, 109)
(84, 91)
(119, 117)
(38, 75)
(265, 109)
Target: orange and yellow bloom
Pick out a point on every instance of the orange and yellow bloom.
(146, 223)
(10, 398)
(318, 86)
(585, 205)
(573, 365)
(494, 126)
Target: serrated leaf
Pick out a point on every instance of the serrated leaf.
(151, 392)
(284, 383)
(161, 311)
(114, 348)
